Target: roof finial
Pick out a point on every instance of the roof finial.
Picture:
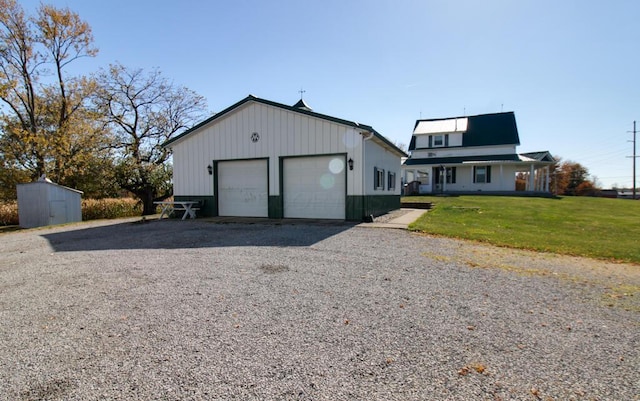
(302, 91)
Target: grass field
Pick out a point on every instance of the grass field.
(594, 227)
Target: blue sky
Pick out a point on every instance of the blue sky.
(568, 69)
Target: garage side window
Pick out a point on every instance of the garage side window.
(378, 178)
(391, 181)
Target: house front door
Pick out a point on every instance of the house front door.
(425, 181)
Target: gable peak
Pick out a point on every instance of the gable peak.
(301, 104)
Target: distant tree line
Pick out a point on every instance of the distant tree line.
(99, 133)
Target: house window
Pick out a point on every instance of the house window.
(438, 141)
(391, 181)
(449, 174)
(378, 178)
(482, 174)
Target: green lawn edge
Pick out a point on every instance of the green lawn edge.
(599, 228)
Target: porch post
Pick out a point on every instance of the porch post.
(444, 179)
(532, 178)
(546, 182)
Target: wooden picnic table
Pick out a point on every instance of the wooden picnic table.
(169, 207)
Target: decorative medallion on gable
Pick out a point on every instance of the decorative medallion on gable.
(255, 137)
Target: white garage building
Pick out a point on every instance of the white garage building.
(260, 158)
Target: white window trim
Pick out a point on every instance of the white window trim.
(391, 181)
(476, 175)
(379, 178)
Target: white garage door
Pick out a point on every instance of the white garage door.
(314, 187)
(243, 188)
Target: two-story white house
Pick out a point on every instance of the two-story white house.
(472, 154)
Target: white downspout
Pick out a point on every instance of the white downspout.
(365, 137)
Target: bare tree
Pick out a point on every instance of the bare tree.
(143, 110)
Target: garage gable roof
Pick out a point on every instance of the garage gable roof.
(295, 109)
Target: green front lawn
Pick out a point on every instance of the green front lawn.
(593, 227)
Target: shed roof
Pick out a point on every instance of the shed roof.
(479, 130)
(48, 182)
(295, 108)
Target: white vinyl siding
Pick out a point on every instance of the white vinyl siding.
(282, 133)
(438, 140)
(380, 159)
(462, 152)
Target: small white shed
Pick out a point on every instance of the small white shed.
(44, 203)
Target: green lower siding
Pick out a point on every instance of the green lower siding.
(208, 205)
(275, 207)
(358, 207)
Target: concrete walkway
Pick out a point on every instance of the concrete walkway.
(401, 222)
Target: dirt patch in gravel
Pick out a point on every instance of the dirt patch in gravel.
(615, 284)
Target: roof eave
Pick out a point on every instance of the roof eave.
(294, 109)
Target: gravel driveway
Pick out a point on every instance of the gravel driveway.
(192, 310)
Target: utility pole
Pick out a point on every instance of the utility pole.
(634, 157)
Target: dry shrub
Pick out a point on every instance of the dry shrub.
(92, 209)
(8, 213)
(110, 208)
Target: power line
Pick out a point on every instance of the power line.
(634, 157)
(603, 157)
(591, 153)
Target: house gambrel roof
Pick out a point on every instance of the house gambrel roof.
(483, 130)
(300, 107)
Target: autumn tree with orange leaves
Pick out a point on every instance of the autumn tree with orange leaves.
(46, 125)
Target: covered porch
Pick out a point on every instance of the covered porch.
(479, 176)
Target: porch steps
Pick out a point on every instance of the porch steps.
(416, 205)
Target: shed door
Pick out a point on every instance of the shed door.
(243, 188)
(57, 212)
(314, 187)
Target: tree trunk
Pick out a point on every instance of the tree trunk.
(147, 203)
